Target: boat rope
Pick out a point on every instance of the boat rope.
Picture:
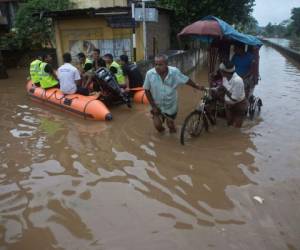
(85, 107)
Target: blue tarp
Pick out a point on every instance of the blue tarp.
(230, 33)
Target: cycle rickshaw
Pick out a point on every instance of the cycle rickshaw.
(221, 37)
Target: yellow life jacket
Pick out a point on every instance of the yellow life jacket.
(119, 75)
(35, 70)
(87, 61)
(46, 80)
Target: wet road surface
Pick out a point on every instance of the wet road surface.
(67, 183)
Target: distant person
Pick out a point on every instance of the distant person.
(133, 76)
(69, 77)
(236, 103)
(48, 78)
(115, 68)
(160, 85)
(35, 70)
(244, 64)
(91, 75)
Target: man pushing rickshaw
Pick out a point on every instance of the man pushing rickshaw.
(233, 61)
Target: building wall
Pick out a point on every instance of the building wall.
(70, 34)
(158, 35)
(8, 11)
(184, 60)
(82, 4)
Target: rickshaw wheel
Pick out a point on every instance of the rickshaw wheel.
(193, 126)
(254, 107)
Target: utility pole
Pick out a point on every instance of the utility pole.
(133, 31)
(144, 18)
(144, 30)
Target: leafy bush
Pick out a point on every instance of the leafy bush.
(32, 30)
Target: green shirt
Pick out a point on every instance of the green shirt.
(164, 92)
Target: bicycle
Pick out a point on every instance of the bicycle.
(204, 114)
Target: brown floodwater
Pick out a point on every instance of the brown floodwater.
(68, 183)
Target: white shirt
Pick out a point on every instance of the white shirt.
(67, 75)
(236, 87)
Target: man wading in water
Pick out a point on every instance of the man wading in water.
(160, 85)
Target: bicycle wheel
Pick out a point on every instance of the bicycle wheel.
(193, 126)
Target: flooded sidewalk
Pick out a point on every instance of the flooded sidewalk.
(69, 183)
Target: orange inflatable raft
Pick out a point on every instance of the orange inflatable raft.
(87, 106)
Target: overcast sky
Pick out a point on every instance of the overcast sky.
(273, 11)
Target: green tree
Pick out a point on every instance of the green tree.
(236, 12)
(251, 26)
(269, 30)
(296, 20)
(186, 12)
(31, 28)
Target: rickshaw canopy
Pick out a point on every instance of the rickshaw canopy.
(210, 28)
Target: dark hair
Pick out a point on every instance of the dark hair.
(36, 55)
(124, 58)
(110, 56)
(67, 57)
(81, 55)
(101, 63)
(228, 64)
(239, 45)
(97, 50)
(44, 56)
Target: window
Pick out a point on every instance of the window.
(116, 47)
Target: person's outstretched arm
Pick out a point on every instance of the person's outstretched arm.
(194, 85)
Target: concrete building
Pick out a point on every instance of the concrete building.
(8, 9)
(107, 25)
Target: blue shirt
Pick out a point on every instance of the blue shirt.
(164, 91)
(242, 63)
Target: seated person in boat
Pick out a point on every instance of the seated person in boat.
(85, 68)
(97, 60)
(236, 103)
(69, 78)
(85, 63)
(117, 69)
(34, 70)
(133, 76)
(92, 81)
(47, 76)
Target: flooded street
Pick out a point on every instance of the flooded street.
(68, 183)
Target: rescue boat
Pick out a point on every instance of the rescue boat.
(139, 95)
(88, 107)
